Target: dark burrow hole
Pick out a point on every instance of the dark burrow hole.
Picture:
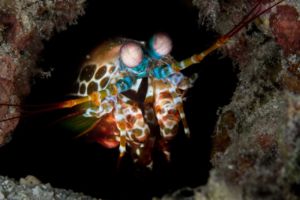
(50, 153)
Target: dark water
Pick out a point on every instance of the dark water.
(52, 155)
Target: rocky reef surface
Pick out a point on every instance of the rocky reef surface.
(24, 24)
(30, 188)
(256, 144)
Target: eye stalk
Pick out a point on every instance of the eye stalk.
(131, 54)
(160, 45)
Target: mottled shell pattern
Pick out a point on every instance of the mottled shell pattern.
(123, 121)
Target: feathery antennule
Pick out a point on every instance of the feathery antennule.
(30, 110)
(255, 12)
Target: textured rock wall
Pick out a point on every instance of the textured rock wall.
(256, 144)
(256, 140)
(24, 24)
(30, 188)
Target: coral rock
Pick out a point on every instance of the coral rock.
(285, 26)
(23, 26)
(256, 144)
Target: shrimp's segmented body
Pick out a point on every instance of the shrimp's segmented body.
(127, 88)
(124, 118)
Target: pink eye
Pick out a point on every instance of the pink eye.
(131, 54)
(161, 44)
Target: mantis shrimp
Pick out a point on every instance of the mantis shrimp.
(127, 88)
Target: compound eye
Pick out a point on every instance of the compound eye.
(160, 45)
(131, 54)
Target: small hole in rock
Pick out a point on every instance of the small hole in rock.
(51, 154)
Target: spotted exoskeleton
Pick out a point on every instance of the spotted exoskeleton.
(126, 88)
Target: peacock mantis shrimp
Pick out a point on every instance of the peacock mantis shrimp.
(110, 83)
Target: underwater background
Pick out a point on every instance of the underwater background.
(243, 110)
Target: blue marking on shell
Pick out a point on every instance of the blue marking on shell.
(124, 84)
(151, 51)
(139, 71)
(162, 72)
(175, 78)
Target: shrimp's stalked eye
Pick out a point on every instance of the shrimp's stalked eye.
(160, 45)
(131, 54)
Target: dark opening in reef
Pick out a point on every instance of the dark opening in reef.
(52, 155)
